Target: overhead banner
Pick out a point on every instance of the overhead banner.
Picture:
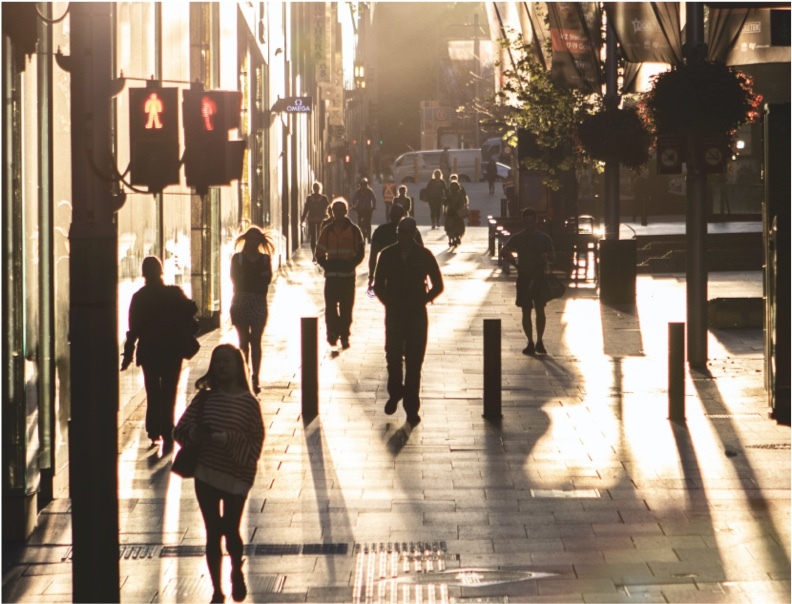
(320, 41)
(744, 37)
(575, 41)
(648, 32)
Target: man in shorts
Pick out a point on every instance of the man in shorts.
(535, 252)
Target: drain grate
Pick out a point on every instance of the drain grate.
(277, 549)
(141, 551)
(330, 549)
(126, 552)
(137, 552)
(775, 447)
(182, 551)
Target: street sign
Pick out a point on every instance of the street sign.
(293, 104)
(713, 153)
(670, 154)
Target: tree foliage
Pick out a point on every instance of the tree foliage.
(529, 100)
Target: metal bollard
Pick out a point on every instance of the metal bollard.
(310, 368)
(492, 368)
(676, 372)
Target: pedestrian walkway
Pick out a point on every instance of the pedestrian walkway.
(583, 492)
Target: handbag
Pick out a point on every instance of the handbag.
(186, 459)
(553, 286)
(190, 347)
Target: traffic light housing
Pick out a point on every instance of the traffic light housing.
(210, 159)
(154, 137)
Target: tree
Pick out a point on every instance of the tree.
(529, 100)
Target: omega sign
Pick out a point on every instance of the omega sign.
(299, 104)
(293, 104)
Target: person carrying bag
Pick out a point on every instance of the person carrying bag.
(224, 425)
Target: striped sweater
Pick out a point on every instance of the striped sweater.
(230, 467)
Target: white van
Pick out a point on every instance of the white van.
(492, 147)
(418, 166)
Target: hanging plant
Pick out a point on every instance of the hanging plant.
(616, 134)
(704, 99)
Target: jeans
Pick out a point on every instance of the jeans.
(339, 295)
(161, 379)
(405, 344)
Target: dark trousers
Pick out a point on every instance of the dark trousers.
(161, 379)
(436, 210)
(339, 295)
(220, 522)
(313, 234)
(405, 346)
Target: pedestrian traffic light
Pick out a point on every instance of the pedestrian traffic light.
(154, 136)
(210, 159)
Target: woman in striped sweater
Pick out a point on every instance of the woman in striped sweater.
(225, 419)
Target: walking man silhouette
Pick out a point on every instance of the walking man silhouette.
(400, 284)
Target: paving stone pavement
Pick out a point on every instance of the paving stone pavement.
(582, 492)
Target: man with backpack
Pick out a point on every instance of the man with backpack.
(339, 250)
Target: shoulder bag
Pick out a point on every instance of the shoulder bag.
(186, 459)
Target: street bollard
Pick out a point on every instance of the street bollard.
(676, 372)
(492, 368)
(310, 368)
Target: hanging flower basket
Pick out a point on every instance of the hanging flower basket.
(616, 134)
(704, 99)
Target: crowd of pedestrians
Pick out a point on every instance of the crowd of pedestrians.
(223, 421)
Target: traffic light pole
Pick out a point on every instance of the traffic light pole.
(93, 240)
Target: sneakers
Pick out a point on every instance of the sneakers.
(529, 350)
(345, 343)
(540, 349)
(391, 406)
(238, 586)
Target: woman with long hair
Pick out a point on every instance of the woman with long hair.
(224, 419)
(251, 273)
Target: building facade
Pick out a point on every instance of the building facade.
(258, 49)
